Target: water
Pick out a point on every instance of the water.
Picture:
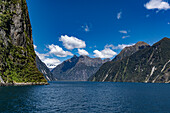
(82, 97)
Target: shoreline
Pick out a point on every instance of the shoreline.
(24, 84)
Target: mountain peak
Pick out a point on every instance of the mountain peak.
(78, 68)
(75, 56)
(141, 43)
(127, 51)
(83, 56)
(165, 39)
(147, 65)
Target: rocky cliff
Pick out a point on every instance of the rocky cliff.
(44, 70)
(151, 64)
(127, 51)
(17, 56)
(78, 68)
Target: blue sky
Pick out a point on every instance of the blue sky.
(98, 28)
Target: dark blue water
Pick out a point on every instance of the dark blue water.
(82, 97)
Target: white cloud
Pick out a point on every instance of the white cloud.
(120, 46)
(106, 53)
(41, 56)
(35, 47)
(168, 23)
(51, 62)
(157, 4)
(86, 28)
(125, 37)
(82, 52)
(123, 31)
(72, 42)
(58, 51)
(119, 15)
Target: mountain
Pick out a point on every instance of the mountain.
(151, 64)
(17, 56)
(44, 70)
(78, 68)
(127, 51)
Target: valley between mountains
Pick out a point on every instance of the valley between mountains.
(137, 63)
(20, 65)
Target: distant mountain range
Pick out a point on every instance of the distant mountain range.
(78, 68)
(144, 64)
(19, 63)
(44, 70)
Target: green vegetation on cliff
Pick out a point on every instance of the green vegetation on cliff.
(151, 64)
(17, 56)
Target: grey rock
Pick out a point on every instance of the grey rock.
(44, 70)
(77, 68)
(149, 65)
(17, 55)
(127, 51)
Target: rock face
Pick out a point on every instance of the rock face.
(17, 56)
(127, 51)
(78, 68)
(44, 70)
(151, 64)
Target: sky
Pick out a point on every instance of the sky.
(97, 28)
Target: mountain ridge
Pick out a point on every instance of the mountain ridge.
(151, 64)
(127, 51)
(77, 68)
(44, 70)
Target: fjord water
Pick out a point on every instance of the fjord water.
(81, 97)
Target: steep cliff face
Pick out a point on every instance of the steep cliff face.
(151, 64)
(44, 70)
(78, 68)
(17, 56)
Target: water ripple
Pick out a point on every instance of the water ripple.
(83, 97)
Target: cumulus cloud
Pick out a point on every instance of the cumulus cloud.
(119, 15)
(72, 42)
(119, 46)
(123, 31)
(125, 37)
(35, 47)
(50, 62)
(82, 52)
(58, 51)
(41, 56)
(106, 53)
(157, 4)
